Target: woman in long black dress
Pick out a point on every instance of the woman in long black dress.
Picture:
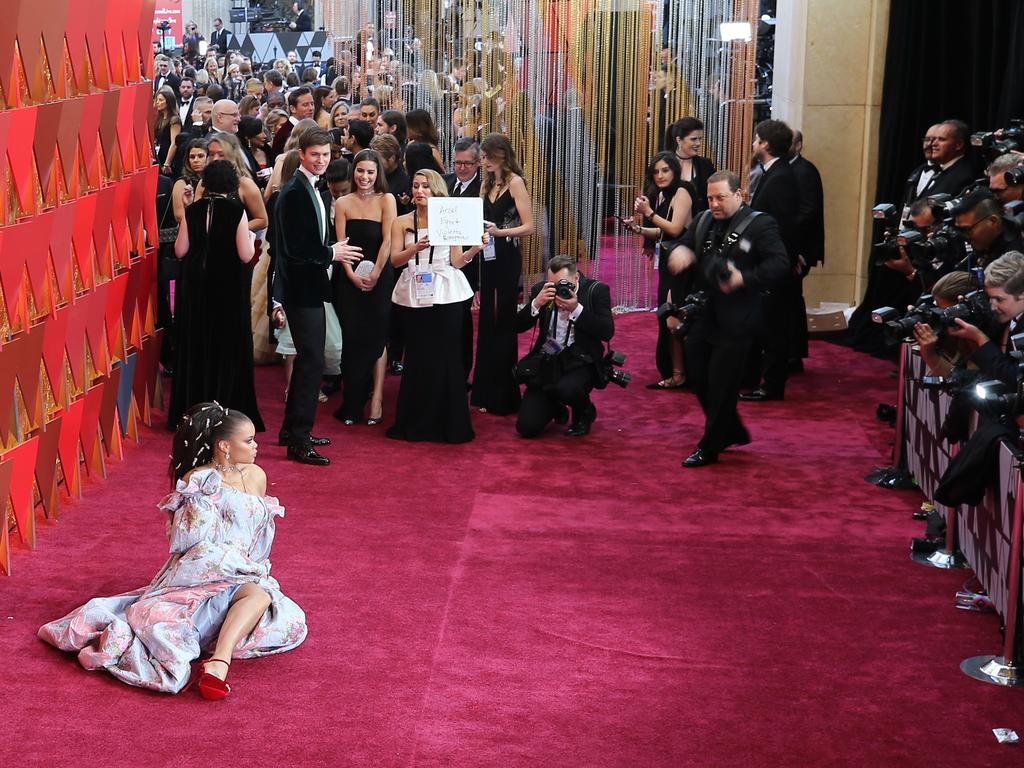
(686, 139)
(212, 318)
(665, 207)
(508, 216)
(362, 296)
(432, 401)
(166, 128)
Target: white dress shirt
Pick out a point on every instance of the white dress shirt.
(562, 320)
(319, 200)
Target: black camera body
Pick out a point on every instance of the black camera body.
(608, 371)
(687, 313)
(974, 309)
(564, 289)
(896, 328)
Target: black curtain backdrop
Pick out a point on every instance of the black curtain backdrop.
(946, 59)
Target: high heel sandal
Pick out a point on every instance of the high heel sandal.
(210, 688)
(375, 420)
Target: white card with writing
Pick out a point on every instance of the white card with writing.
(455, 220)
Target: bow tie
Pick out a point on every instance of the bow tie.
(934, 167)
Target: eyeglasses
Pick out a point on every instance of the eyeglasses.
(466, 163)
(968, 228)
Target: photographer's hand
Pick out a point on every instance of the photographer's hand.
(964, 330)
(925, 336)
(901, 264)
(734, 281)
(567, 305)
(546, 295)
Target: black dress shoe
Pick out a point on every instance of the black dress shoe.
(561, 414)
(283, 438)
(581, 423)
(307, 455)
(700, 458)
(759, 395)
(397, 367)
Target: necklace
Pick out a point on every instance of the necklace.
(367, 194)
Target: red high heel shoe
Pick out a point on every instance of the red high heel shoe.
(210, 688)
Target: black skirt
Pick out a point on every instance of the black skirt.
(432, 403)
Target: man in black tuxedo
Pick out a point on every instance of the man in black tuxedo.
(302, 229)
(947, 169)
(303, 21)
(164, 76)
(219, 36)
(571, 336)
(186, 99)
(465, 182)
(810, 217)
(737, 253)
(776, 193)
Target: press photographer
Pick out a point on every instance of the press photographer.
(567, 359)
(1006, 177)
(979, 217)
(1004, 284)
(736, 252)
(941, 352)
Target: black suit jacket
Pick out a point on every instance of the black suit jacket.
(473, 190)
(592, 328)
(951, 181)
(778, 194)
(761, 258)
(303, 22)
(300, 251)
(811, 213)
(220, 39)
(172, 80)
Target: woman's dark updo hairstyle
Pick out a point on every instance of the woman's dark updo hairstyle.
(682, 128)
(249, 126)
(198, 431)
(220, 177)
(651, 189)
(419, 156)
(380, 185)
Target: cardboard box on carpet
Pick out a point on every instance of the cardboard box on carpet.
(828, 317)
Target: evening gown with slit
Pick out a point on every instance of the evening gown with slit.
(494, 384)
(364, 319)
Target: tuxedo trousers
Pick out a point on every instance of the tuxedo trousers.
(540, 404)
(309, 331)
(714, 370)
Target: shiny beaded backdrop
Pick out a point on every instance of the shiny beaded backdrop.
(585, 90)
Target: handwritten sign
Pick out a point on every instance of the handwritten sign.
(455, 220)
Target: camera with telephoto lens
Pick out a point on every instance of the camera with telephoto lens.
(1014, 177)
(994, 398)
(687, 312)
(608, 370)
(1011, 140)
(895, 328)
(974, 309)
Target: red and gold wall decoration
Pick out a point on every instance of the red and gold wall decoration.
(78, 230)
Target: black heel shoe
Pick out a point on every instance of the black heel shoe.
(375, 420)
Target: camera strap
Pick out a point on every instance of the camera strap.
(746, 216)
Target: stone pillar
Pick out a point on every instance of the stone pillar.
(829, 63)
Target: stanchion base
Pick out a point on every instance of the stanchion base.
(941, 558)
(993, 669)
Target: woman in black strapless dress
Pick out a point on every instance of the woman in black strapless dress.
(508, 213)
(363, 301)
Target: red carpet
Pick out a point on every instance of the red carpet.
(547, 603)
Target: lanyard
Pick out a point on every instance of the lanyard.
(554, 327)
(415, 239)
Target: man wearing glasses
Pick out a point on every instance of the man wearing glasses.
(219, 36)
(979, 218)
(465, 182)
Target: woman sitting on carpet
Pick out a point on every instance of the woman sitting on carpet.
(215, 593)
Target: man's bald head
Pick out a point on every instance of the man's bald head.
(226, 116)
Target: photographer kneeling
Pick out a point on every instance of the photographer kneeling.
(574, 315)
(738, 254)
(1004, 284)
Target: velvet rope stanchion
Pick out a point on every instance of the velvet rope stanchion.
(1006, 669)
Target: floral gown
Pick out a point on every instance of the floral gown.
(220, 539)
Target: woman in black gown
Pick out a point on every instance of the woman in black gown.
(508, 216)
(432, 402)
(664, 208)
(362, 296)
(212, 313)
(166, 128)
